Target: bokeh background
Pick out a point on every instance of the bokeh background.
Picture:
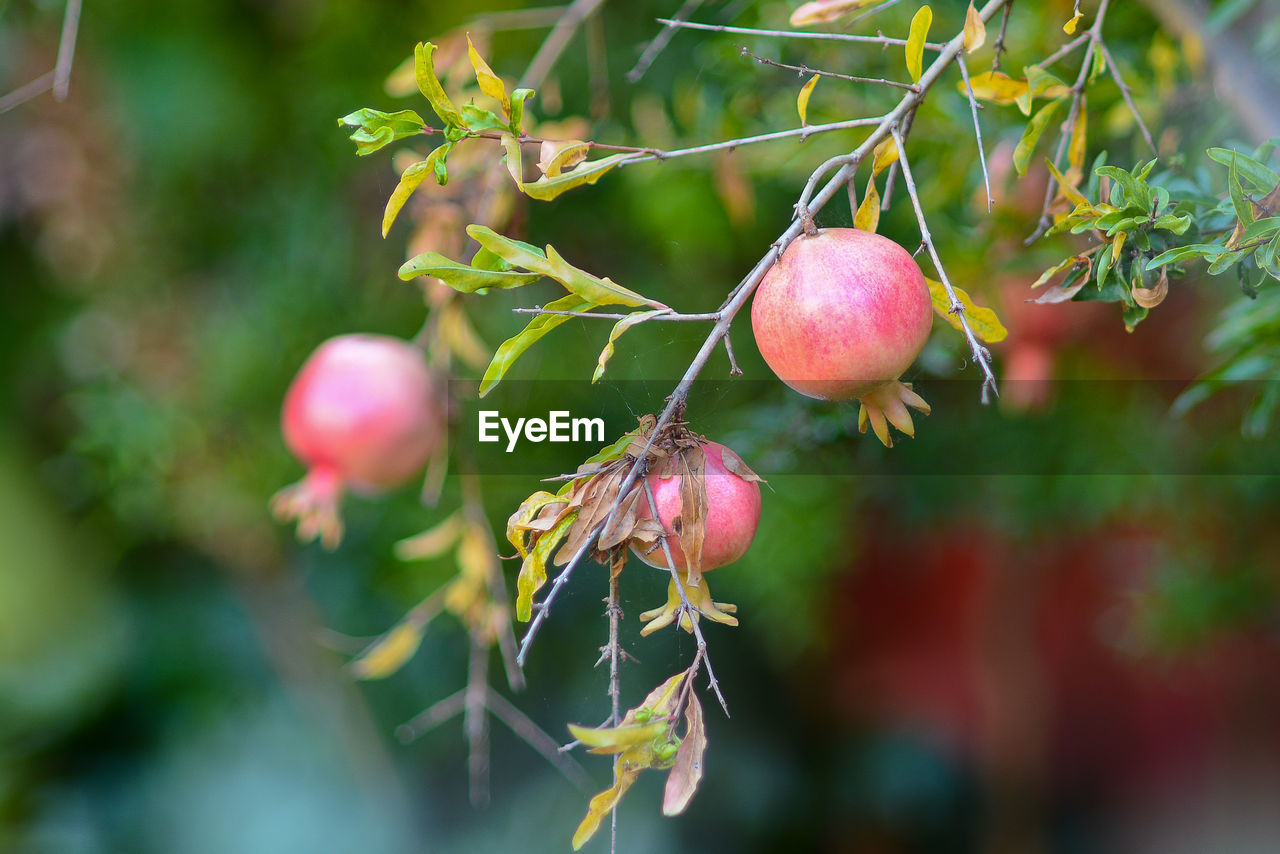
(1048, 625)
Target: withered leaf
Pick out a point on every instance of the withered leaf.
(734, 464)
(693, 510)
(1152, 297)
(685, 775)
(623, 524)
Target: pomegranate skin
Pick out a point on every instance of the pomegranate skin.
(364, 413)
(733, 512)
(366, 407)
(841, 313)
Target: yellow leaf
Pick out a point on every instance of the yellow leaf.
(390, 652)
(802, 102)
(975, 30)
(915, 42)
(995, 86)
(432, 542)
(618, 328)
(1068, 188)
(1070, 26)
(822, 11)
(982, 320)
(515, 162)
(884, 155)
(430, 86)
(1076, 150)
(619, 738)
(490, 83)
(546, 188)
(601, 805)
(868, 216)
(556, 155)
(410, 180)
(533, 572)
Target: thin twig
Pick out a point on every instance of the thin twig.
(977, 129)
(795, 34)
(1066, 50)
(686, 608)
(537, 738)
(26, 92)
(804, 70)
(1094, 38)
(66, 50)
(648, 155)
(519, 19)
(660, 41)
(892, 180)
(475, 722)
(1004, 28)
(802, 132)
(734, 370)
(473, 506)
(601, 315)
(557, 40)
(1127, 94)
(430, 718)
(981, 354)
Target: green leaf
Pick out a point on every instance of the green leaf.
(1259, 229)
(518, 98)
(1106, 260)
(545, 188)
(1035, 128)
(596, 290)
(982, 320)
(511, 349)
(533, 572)
(1173, 223)
(1039, 84)
(1244, 210)
(513, 158)
(478, 119)
(915, 42)
(614, 451)
(600, 291)
(460, 277)
(410, 179)
(516, 253)
(1135, 191)
(376, 129)
(618, 328)
(1266, 256)
(429, 85)
(1182, 253)
(1223, 261)
(1263, 178)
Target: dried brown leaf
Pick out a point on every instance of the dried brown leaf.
(685, 775)
(1152, 297)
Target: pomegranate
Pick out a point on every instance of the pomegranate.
(840, 316)
(732, 514)
(364, 413)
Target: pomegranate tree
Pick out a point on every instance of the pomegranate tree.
(840, 316)
(364, 413)
(728, 520)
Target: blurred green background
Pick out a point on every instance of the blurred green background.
(940, 650)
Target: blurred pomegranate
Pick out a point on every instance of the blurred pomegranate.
(363, 413)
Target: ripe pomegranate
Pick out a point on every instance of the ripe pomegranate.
(732, 514)
(840, 316)
(363, 413)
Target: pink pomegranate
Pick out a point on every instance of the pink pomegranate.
(733, 512)
(363, 413)
(840, 316)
